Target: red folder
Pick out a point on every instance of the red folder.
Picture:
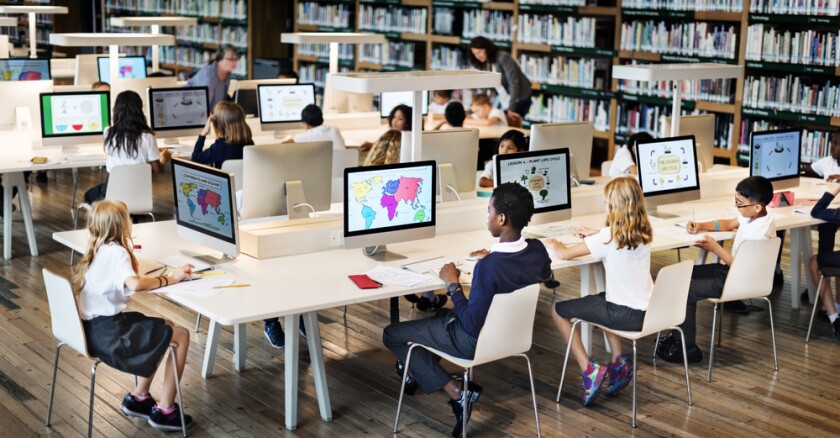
(365, 282)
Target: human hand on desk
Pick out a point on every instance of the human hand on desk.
(583, 231)
(479, 254)
(449, 273)
(179, 274)
(165, 155)
(833, 179)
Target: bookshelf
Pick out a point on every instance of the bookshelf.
(36, 19)
(786, 47)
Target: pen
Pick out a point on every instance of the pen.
(156, 269)
(693, 218)
(232, 286)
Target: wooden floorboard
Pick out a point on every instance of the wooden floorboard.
(746, 398)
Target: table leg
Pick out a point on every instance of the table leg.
(7, 219)
(807, 252)
(316, 355)
(239, 348)
(12, 180)
(213, 331)
(795, 249)
(291, 357)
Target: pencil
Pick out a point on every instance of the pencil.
(155, 270)
(232, 285)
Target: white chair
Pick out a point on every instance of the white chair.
(234, 167)
(666, 310)
(507, 331)
(67, 328)
(825, 273)
(751, 276)
(605, 168)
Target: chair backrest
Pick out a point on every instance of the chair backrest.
(751, 273)
(131, 184)
(666, 306)
(605, 167)
(509, 326)
(64, 312)
(234, 167)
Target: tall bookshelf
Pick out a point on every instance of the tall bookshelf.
(571, 70)
(44, 26)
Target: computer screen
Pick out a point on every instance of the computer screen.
(75, 114)
(129, 67)
(178, 108)
(668, 166)
(389, 203)
(776, 156)
(284, 103)
(245, 94)
(24, 69)
(544, 173)
(265, 68)
(455, 151)
(204, 206)
(387, 101)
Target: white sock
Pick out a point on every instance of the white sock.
(832, 317)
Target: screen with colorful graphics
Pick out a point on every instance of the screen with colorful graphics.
(24, 69)
(283, 103)
(77, 113)
(667, 165)
(544, 173)
(178, 108)
(204, 199)
(775, 155)
(128, 67)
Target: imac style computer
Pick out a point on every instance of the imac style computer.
(776, 155)
(178, 112)
(702, 127)
(72, 119)
(388, 204)
(286, 178)
(546, 175)
(668, 172)
(24, 69)
(204, 207)
(455, 151)
(387, 101)
(280, 106)
(128, 67)
(141, 87)
(87, 69)
(577, 136)
(21, 103)
(245, 93)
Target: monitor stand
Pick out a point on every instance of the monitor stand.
(296, 200)
(207, 258)
(381, 254)
(661, 215)
(447, 183)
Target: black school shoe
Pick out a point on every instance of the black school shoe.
(170, 421)
(836, 327)
(472, 394)
(428, 305)
(673, 353)
(141, 409)
(411, 384)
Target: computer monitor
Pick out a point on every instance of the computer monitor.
(668, 171)
(536, 171)
(178, 112)
(349, 102)
(245, 93)
(24, 69)
(21, 103)
(388, 204)
(265, 68)
(455, 152)
(87, 69)
(75, 118)
(280, 106)
(287, 178)
(128, 67)
(776, 155)
(141, 87)
(577, 136)
(702, 127)
(387, 101)
(204, 206)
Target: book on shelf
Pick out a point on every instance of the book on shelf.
(793, 94)
(332, 15)
(562, 31)
(768, 43)
(688, 39)
(685, 5)
(394, 53)
(392, 18)
(559, 70)
(795, 7)
(557, 108)
(494, 25)
(345, 51)
(448, 58)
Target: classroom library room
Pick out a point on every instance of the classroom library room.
(419, 218)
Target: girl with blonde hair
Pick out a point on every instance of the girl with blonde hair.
(131, 342)
(232, 134)
(624, 248)
(386, 150)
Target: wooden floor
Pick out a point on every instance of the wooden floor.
(747, 397)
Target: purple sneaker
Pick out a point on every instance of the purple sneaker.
(621, 372)
(593, 378)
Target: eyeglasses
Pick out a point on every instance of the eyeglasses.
(232, 59)
(737, 205)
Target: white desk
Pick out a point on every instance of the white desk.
(33, 11)
(155, 23)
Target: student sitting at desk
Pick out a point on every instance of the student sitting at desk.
(386, 150)
(440, 98)
(288, 74)
(454, 116)
(129, 140)
(752, 195)
(624, 161)
(624, 248)
(827, 168)
(100, 86)
(511, 264)
(826, 256)
(484, 114)
(232, 135)
(511, 142)
(313, 122)
(398, 119)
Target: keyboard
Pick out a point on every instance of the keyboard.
(424, 266)
(568, 239)
(176, 261)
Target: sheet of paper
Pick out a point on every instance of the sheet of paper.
(200, 287)
(398, 277)
(176, 261)
(679, 233)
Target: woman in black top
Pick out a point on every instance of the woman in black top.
(484, 55)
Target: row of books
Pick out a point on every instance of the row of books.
(495, 25)
(448, 58)
(393, 19)
(642, 117)
(235, 35)
(685, 5)
(393, 53)
(547, 108)
(558, 70)
(690, 39)
(708, 90)
(310, 73)
(766, 43)
(815, 143)
(235, 9)
(200, 33)
(316, 14)
(552, 29)
(792, 93)
(345, 51)
(156, 6)
(554, 2)
(795, 7)
(198, 58)
(443, 21)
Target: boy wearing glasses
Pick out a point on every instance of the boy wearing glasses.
(753, 223)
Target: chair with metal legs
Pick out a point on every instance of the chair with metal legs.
(825, 274)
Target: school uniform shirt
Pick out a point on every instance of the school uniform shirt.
(104, 292)
(322, 133)
(147, 150)
(621, 162)
(495, 112)
(490, 169)
(756, 229)
(826, 167)
(437, 108)
(628, 280)
(219, 152)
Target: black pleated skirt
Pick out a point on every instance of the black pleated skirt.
(130, 342)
